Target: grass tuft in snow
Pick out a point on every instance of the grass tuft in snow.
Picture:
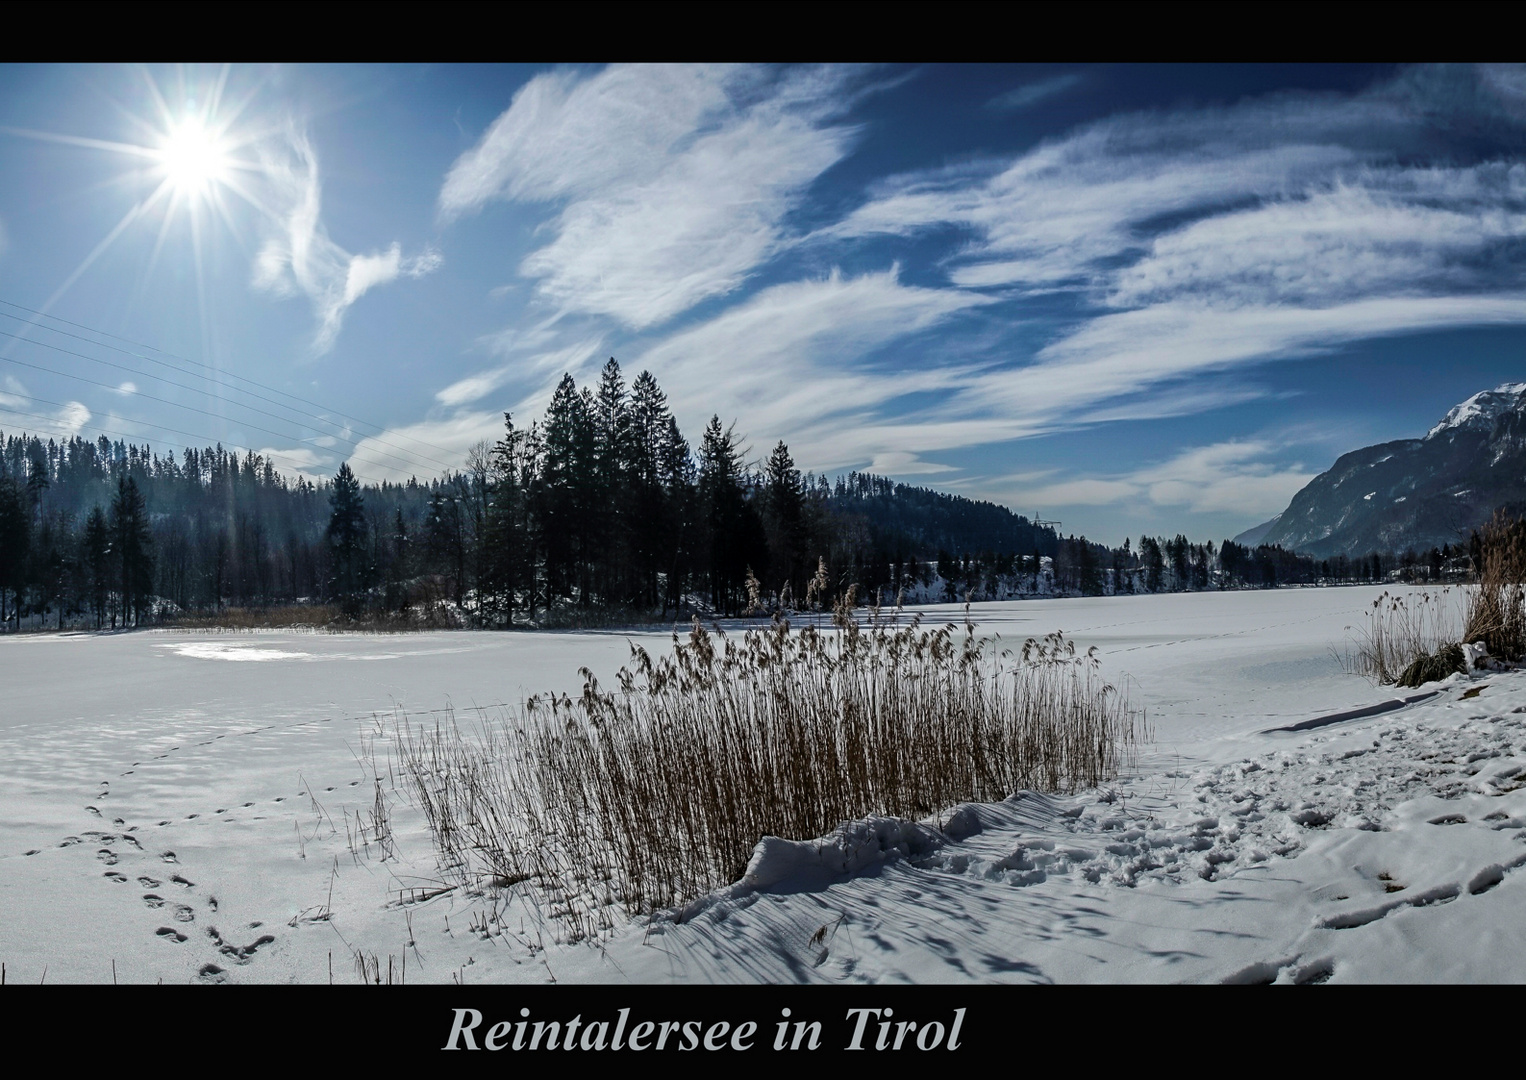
(1405, 636)
(658, 792)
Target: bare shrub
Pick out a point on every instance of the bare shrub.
(1497, 605)
(658, 792)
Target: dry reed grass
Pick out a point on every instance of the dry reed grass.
(657, 793)
(1497, 606)
(1402, 631)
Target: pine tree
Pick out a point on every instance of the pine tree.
(651, 507)
(610, 495)
(510, 563)
(681, 489)
(783, 520)
(566, 496)
(347, 541)
(15, 540)
(132, 545)
(96, 558)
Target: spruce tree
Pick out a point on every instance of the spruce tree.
(15, 540)
(347, 541)
(96, 559)
(783, 520)
(132, 545)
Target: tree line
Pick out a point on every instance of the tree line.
(599, 508)
(601, 505)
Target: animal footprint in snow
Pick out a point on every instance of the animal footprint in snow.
(107, 856)
(182, 882)
(184, 913)
(168, 856)
(169, 934)
(212, 973)
(153, 900)
(1449, 819)
(120, 879)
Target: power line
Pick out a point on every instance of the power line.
(214, 381)
(171, 382)
(150, 397)
(197, 363)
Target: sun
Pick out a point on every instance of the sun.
(193, 158)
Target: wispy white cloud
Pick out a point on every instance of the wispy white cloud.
(1205, 240)
(1370, 232)
(299, 461)
(790, 361)
(1126, 353)
(1238, 477)
(674, 181)
(904, 463)
(18, 411)
(450, 438)
(298, 257)
(1196, 244)
(573, 358)
(1031, 94)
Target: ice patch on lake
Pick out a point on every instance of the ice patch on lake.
(216, 650)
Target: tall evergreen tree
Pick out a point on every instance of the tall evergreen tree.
(15, 540)
(733, 527)
(784, 523)
(95, 556)
(132, 545)
(347, 541)
(510, 565)
(566, 491)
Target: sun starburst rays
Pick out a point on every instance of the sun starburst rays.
(191, 157)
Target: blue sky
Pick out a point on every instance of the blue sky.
(1138, 298)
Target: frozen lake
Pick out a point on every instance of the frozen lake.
(187, 795)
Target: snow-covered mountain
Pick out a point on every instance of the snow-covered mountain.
(1481, 411)
(1416, 493)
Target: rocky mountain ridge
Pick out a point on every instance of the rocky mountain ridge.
(1415, 493)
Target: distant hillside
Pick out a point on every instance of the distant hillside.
(1415, 493)
(932, 521)
(1254, 535)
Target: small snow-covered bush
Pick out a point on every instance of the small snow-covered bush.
(659, 791)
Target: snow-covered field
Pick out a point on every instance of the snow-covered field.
(188, 805)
